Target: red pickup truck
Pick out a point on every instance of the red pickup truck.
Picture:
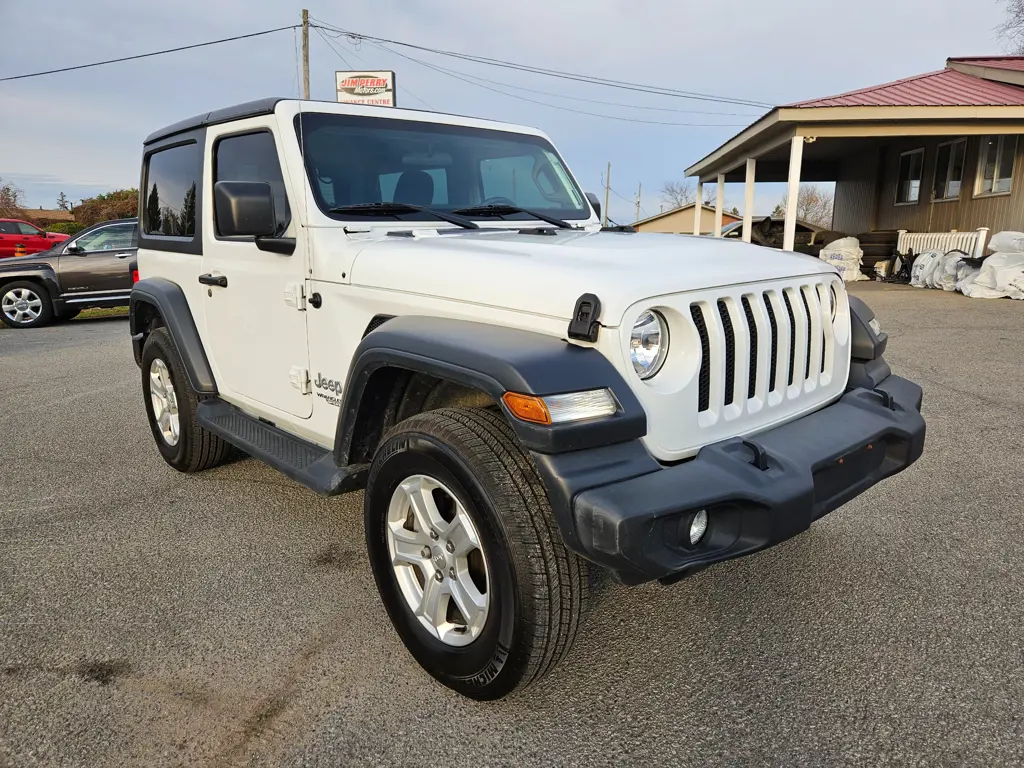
(14, 232)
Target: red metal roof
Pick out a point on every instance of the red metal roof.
(996, 62)
(944, 88)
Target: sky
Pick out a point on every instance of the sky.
(81, 132)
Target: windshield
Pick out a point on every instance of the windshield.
(355, 160)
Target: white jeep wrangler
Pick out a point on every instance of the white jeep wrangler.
(426, 307)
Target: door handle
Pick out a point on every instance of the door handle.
(218, 280)
(123, 255)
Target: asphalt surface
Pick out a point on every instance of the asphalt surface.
(230, 618)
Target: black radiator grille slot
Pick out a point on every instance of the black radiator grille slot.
(730, 352)
(704, 394)
(810, 327)
(752, 328)
(773, 363)
(792, 336)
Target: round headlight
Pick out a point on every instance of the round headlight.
(648, 344)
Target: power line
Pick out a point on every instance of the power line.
(360, 58)
(147, 55)
(566, 96)
(556, 106)
(626, 85)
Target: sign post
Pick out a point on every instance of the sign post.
(375, 89)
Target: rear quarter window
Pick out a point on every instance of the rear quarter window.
(172, 177)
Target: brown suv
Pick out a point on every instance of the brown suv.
(91, 269)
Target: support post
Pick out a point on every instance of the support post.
(607, 188)
(698, 207)
(719, 203)
(796, 156)
(748, 200)
(639, 189)
(305, 54)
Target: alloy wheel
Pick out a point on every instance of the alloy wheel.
(438, 560)
(21, 305)
(165, 402)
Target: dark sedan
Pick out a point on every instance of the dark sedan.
(91, 269)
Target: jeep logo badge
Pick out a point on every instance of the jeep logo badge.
(331, 389)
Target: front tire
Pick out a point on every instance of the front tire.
(466, 553)
(171, 408)
(24, 304)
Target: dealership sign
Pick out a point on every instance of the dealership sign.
(376, 89)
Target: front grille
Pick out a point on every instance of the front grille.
(769, 340)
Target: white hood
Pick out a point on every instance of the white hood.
(545, 274)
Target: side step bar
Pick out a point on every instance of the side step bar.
(303, 462)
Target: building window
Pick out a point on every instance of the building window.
(949, 170)
(908, 182)
(995, 165)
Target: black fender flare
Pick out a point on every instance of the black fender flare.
(41, 271)
(170, 303)
(495, 360)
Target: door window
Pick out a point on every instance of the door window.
(171, 176)
(114, 237)
(908, 183)
(9, 228)
(253, 157)
(28, 229)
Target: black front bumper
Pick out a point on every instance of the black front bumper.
(757, 491)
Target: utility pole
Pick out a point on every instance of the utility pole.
(607, 189)
(639, 187)
(305, 54)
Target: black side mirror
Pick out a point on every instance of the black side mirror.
(594, 201)
(244, 208)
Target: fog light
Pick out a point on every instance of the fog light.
(698, 526)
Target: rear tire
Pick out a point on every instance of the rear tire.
(171, 408)
(532, 588)
(25, 304)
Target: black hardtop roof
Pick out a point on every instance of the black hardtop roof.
(225, 115)
(255, 109)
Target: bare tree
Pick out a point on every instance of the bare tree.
(676, 194)
(12, 201)
(1012, 28)
(63, 204)
(814, 205)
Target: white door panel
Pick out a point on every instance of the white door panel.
(255, 328)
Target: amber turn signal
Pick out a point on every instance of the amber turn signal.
(527, 407)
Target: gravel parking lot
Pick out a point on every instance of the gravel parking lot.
(151, 618)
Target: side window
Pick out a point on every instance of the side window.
(171, 178)
(27, 229)
(253, 157)
(114, 237)
(428, 186)
(9, 228)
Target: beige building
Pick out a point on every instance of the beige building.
(928, 154)
(679, 221)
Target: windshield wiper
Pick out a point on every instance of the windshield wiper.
(502, 209)
(393, 209)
